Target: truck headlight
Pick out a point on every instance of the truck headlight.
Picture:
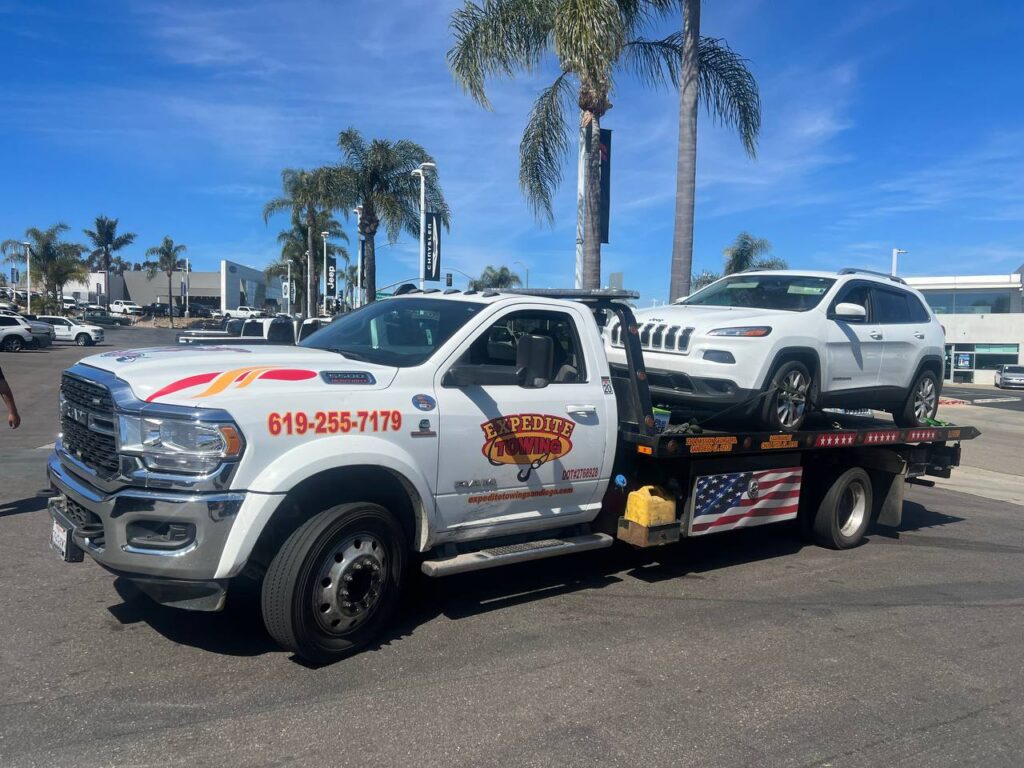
(746, 330)
(178, 445)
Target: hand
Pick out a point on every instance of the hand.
(13, 419)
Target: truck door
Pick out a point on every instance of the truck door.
(512, 457)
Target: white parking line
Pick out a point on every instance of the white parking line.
(47, 447)
(996, 400)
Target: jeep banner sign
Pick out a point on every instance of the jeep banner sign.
(432, 249)
(331, 290)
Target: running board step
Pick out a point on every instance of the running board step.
(516, 553)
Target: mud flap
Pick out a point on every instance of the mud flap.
(890, 511)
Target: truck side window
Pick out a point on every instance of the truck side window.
(497, 344)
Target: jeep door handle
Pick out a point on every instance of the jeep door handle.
(918, 335)
(875, 335)
(584, 409)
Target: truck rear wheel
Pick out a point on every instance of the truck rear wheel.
(335, 582)
(845, 511)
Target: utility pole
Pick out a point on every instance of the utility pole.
(28, 277)
(358, 298)
(422, 173)
(309, 284)
(289, 292)
(324, 236)
(895, 257)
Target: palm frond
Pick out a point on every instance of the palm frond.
(543, 147)
(729, 92)
(658, 62)
(588, 37)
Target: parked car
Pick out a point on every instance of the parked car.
(15, 333)
(68, 303)
(43, 334)
(160, 309)
(200, 310)
(1009, 376)
(244, 312)
(70, 329)
(123, 307)
(257, 330)
(100, 317)
(777, 344)
(10, 306)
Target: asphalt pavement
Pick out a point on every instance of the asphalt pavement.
(739, 649)
(988, 397)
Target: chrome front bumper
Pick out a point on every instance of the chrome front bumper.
(211, 514)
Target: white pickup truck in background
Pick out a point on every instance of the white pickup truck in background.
(449, 432)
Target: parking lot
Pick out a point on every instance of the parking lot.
(741, 649)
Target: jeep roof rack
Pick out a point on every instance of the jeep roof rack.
(859, 271)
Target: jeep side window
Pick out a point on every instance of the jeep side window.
(890, 306)
(497, 345)
(918, 314)
(858, 293)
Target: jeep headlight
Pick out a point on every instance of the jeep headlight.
(178, 445)
(746, 330)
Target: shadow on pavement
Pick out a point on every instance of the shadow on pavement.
(915, 518)
(21, 506)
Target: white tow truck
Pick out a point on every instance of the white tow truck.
(445, 431)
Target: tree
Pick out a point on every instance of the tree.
(54, 261)
(306, 194)
(591, 40)
(293, 244)
(495, 278)
(166, 259)
(105, 242)
(748, 252)
(714, 74)
(378, 178)
(118, 266)
(704, 279)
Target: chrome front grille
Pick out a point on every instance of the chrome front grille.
(658, 337)
(88, 424)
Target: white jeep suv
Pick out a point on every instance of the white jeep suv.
(777, 344)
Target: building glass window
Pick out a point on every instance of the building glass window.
(969, 302)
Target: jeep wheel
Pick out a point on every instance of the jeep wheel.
(789, 394)
(13, 343)
(922, 402)
(335, 582)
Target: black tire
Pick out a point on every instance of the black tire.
(13, 343)
(83, 340)
(845, 511)
(923, 398)
(319, 606)
(782, 410)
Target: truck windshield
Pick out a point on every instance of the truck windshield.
(796, 293)
(400, 332)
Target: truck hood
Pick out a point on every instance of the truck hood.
(705, 318)
(211, 375)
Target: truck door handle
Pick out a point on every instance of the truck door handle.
(584, 409)
(918, 335)
(875, 334)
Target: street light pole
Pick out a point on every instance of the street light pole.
(358, 298)
(895, 256)
(526, 270)
(422, 173)
(324, 236)
(28, 277)
(186, 314)
(289, 292)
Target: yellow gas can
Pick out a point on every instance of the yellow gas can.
(650, 506)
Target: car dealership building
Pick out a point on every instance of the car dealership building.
(984, 320)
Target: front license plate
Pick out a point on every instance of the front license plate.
(60, 540)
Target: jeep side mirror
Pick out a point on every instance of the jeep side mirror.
(534, 358)
(850, 313)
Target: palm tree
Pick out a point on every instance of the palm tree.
(714, 74)
(748, 252)
(378, 177)
(502, 277)
(306, 193)
(167, 260)
(119, 266)
(105, 242)
(53, 260)
(704, 279)
(293, 244)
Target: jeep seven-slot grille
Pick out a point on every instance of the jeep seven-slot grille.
(87, 423)
(658, 337)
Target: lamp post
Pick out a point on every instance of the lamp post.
(526, 270)
(289, 292)
(422, 173)
(895, 256)
(28, 277)
(324, 236)
(184, 283)
(358, 298)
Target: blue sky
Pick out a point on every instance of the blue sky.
(886, 123)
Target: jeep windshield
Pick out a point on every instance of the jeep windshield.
(793, 293)
(401, 332)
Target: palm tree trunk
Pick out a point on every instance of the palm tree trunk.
(310, 287)
(170, 298)
(591, 221)
(686, 160)
(370, 267)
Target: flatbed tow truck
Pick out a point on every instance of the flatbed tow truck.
(455, 430)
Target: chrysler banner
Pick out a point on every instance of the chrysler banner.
(432, 249)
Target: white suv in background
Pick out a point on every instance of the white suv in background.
(777, 344)
(15, 333)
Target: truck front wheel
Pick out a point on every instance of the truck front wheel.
(335, 582)
(845, 511)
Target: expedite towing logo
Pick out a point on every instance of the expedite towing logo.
(527, 440)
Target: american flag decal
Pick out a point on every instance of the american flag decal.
(741, 499)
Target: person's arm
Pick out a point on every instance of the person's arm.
(13, 418)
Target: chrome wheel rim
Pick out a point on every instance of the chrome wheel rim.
(791, 402)
(349, 583)
(925, 399)
(852, 509)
